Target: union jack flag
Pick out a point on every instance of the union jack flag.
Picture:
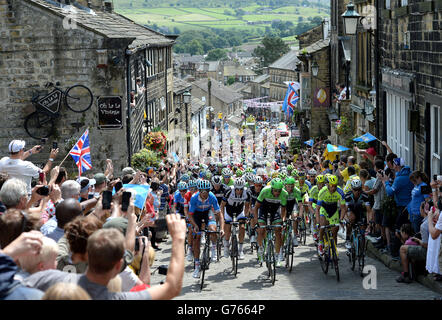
(81, 153)
(291, 99)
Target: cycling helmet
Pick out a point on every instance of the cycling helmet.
(182, 185)
(191, 184)
(185, 177)
(312, 172)
(301, 174)
(332, 179)
(356, 184)
(294, 172)
(204, 185)
(239, 173)
(275, 174)
(289, 180)
(249, 176)
(320, 178)
(226, 172)
(277, 184)
(258, 180)
(202, 174)
(208, 175)
(282, 176)
(217, 180)
(204, 166)
(239, 183)
(290, 168)
(249, 169)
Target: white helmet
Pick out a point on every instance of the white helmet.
(312, 172)
(356, 184)
(239, 183)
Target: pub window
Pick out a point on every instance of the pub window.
(387, 4)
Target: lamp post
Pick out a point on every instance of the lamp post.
(315, 69)
(187, 96)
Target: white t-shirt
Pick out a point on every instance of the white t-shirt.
(23, 170)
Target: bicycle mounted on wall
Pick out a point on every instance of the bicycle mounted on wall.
(40, 123)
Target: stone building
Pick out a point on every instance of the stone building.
(238, 72)
(179, 135)
(282, 71)
(260, 87)
(83, 43)
(411, 81)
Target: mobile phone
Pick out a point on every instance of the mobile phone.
(106, 200)
(439, 178)
(41, 177)
(125, 201)
(54, 145)
(137, 244)
(162, 269)
(425, 189)
(118, 186)
(43, 191)
(44, 140)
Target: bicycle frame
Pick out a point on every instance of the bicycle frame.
(51, 99)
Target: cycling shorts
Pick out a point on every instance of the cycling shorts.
(207, 216)
(333, 218)
(228, 217)
(275, 216)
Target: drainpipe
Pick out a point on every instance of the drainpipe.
(128, 110)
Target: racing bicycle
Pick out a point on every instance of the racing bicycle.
(330, 251)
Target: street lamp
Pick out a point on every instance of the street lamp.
(315, 68)
(187, 96)
(351, 19)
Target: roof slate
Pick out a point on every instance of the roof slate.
(218, 90)
(287, 61)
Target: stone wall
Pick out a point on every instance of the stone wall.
(311, 36)
(35, 51)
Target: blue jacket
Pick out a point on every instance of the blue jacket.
(401, 188)
(416, 199)
(11, 289)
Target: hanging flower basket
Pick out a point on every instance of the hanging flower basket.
(156, 141)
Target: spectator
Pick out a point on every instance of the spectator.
(369, 153)
(66, 291)
(366, 166)
(419, 179)
(3, 178)
(28, 243)
(350, 162)
(351, 171)
(401, 190)
(100, 183)
(435, 229)
(72, 246)
(44, 260)
(14, 194)
(65, 212)
(367, 185)
(86, 186)
(14, 222)
(378, 193)
(16, 167)
(414, 253)
(105, 255)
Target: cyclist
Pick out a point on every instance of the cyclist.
(255, 190)
(200, 208)
(358, 205)
(218, 188)
(311, 176)
(179, 202)
(191, 185)
(290, 169)
(236, 202)
(185, 177)
(227, 177)
(272, 200)
(239, 173)
(313, 200)
(330, 199)
(293, 197)
(352, 175)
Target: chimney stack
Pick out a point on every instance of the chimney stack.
(108, 6)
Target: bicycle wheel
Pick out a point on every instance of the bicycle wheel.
(324, 259)
(78, 98)
(39, 125)
(361, 254)
(334, 257)
(204, 263)
(289, 253)
(352, 253)
(234, 254)
(272, 262)
(303, 231)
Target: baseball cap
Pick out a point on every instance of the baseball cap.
(128, 170)
(399, 162)
(119, 223)
(85, 183)
(99, 178)
(16, 145)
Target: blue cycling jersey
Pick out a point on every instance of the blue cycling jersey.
(180, 201)
(198, 205)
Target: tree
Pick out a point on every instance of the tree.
(194, 47)
(216, 54)
(271, 50)
(230, 80)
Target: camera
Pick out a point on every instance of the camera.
(162, 269)
(425, 189)
(137, 244)
(54, 145)
(43, 191)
